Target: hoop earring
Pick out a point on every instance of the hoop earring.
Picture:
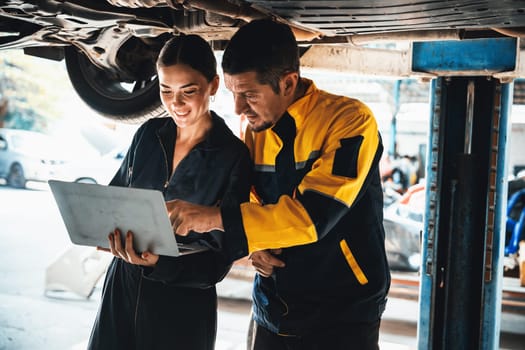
(212, 98)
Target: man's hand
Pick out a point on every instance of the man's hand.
(186, 217)
(264, 261)
(127, 253)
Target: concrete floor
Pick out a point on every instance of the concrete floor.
(33, 236)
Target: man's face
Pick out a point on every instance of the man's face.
(257, 102)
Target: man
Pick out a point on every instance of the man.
(317, 194)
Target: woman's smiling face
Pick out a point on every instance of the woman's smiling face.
(185, 93)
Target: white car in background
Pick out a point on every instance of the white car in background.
(30, 156)
(95, 169)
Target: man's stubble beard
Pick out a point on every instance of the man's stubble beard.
(262, 127)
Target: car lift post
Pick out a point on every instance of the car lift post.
(466, 190)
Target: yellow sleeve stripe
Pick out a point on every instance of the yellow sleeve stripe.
(359, 274)
(280, 225)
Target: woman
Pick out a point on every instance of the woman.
(160, 302)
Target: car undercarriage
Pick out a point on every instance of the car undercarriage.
(110, 47)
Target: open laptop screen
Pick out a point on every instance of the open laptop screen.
(90, 212)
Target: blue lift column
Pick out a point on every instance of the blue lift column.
(464, 231)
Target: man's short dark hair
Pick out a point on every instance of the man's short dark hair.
(269, 48)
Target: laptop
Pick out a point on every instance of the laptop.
(91, 211)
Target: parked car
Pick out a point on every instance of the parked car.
(403, 222)
(95, 170)
(33, 156)
(29, 156)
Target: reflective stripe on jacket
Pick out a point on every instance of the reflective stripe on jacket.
(317, 193)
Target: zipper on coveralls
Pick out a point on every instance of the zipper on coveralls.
(166, 161)
(130, 172)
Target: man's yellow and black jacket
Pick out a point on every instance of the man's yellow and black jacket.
(317, 193)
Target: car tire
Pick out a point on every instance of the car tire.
(16, 177)
(124, 101)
